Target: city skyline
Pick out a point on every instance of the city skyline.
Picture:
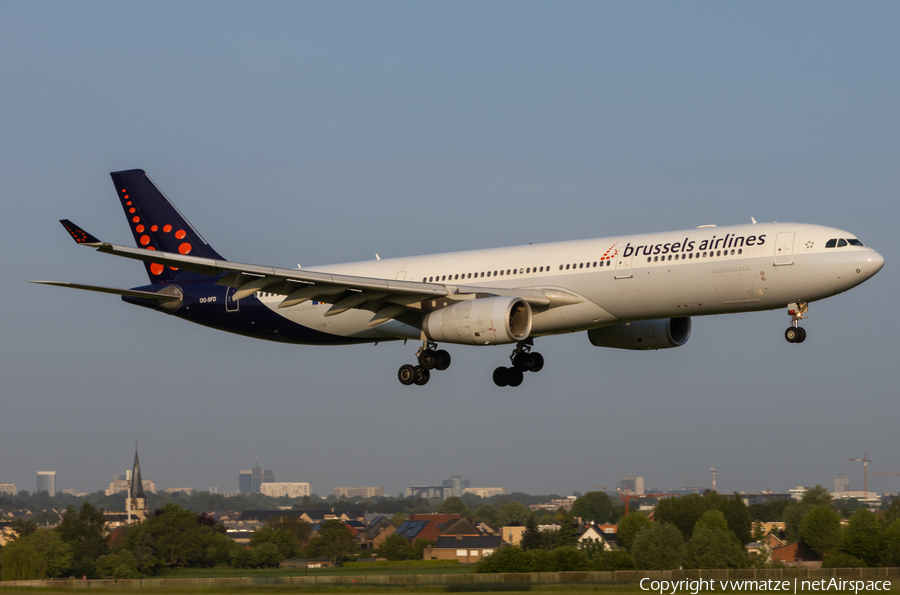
(306, 134)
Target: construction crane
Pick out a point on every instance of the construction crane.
(865, 461)
(627, 497)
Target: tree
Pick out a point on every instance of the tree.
(817, 496)
(820, 529)
(612, 560)
(567, 535)
(176, 535)
(297, 526)
(594, 506)
(284, 541)
(712, 519)
(487, 514)
(19, 561)
(45, 518)
(737, 516)
(630, 525)
(531, 538)
(570, 558)
(658, 548)
(454, 505)
(395, 548)
(265, 555)
(54, 553)
(892, 513)
(713, 547)
(334, 540)
(23, 527)
(890, 552)
(863, 537)
(85, 531)
(505, 560)
(512, 513)
(793, 519)
(418, 549)
(398, 519)
(842, 560)
(682, 512)
(119, 566)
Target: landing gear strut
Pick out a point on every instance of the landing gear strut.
(522, 360)
(429, 358)
(795, 333)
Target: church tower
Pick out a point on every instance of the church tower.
(138, 500)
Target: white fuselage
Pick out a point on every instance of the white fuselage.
(710, 270)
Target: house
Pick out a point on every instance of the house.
(512, 534)
(605, 533)
(413, 530)
(796, 554)
(376, 532)
(437, 519)
(461, 526)
(462, 548)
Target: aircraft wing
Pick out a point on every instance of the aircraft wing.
(388, 298)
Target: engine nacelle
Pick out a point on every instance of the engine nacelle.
(482, 321)
(643, 334)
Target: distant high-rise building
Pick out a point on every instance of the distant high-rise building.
(213, 489)
(250, 480)
(841, 483)
(631, 485)
(261, 476)
(8, 488)
(68, 491)
(245, 481)
(296, 489)
(457, 484)
(485, 492)
(361, 492)
(440, 491)
(46, 482)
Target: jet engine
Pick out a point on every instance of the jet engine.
(481, 321)
(643, 334)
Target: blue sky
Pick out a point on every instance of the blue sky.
(299, 132)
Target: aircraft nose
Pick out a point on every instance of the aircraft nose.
(873, 261)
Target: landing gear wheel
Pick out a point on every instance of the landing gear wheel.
(801, 335)
(792, 334)
(515, 377)
(428, 359)
(422, 376)
(443, 359)
(537, 362)
(501, 376)
(407, 374)
(522, 361)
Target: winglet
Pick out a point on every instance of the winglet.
(79, 235)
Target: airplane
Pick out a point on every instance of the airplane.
(627, 292)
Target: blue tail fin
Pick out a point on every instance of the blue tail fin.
(157, 224)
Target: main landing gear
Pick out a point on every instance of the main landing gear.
(795, 333)
(523, 360)
(429, 358)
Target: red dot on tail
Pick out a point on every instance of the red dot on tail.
(153, 228)
(135, 218)
(156, 268)
(145, 240)
(184, 248)
(167, 228)
(139, 228)
(180, 234)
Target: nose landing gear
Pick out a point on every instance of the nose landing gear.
(429, 358)
(523, 360)
(797, 312)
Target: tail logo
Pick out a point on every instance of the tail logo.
(145, 239)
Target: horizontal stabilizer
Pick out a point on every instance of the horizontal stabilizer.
(79, 235)
(146, 295)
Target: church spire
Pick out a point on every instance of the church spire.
(137, 486)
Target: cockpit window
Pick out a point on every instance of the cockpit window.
(831, 243)
(854, 242)
(841, 243)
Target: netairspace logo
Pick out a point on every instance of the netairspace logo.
(696, 586)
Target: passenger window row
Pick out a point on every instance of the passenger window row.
(691, 255)
(497, 273)
(586, 265)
